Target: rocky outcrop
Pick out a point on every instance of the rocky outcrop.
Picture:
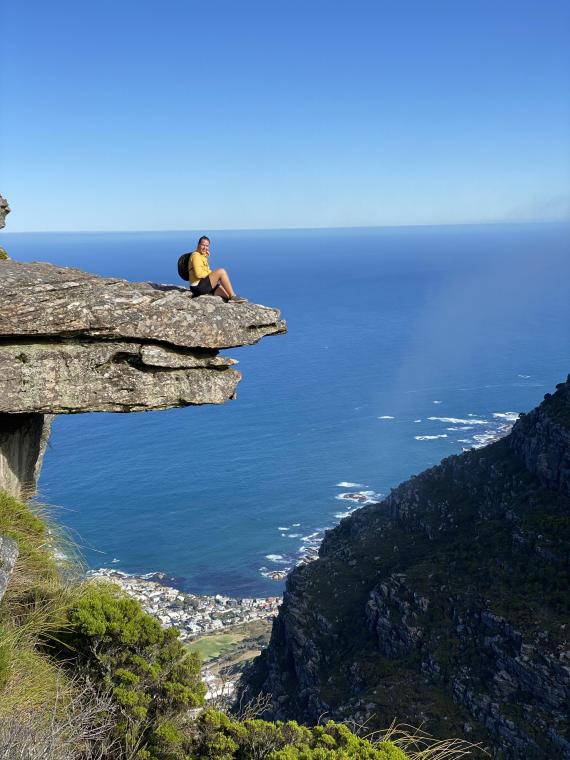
(8, 557)
(542, 440)
(446, 605)
(75, 342)
(81, 376)
(4, 211)
(41, 302)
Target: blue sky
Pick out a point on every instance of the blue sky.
(139, 115)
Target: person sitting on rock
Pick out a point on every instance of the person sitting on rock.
(204, 281)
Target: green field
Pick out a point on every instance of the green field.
(212, 646)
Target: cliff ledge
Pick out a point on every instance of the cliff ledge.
(71, 342)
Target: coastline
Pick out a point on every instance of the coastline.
(199, 617)
(192, 614)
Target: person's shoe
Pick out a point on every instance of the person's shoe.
(237, 299)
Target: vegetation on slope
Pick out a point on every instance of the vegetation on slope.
(472, 549)
(85, 673)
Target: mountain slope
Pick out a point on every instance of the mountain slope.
(446, 604)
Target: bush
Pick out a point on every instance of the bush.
(123, 649)
(217, 737)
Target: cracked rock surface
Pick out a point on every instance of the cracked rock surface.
(72, 342)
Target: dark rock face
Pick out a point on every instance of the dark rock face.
(445, 605)
(23, 441)
(74, 342)
(542, 440)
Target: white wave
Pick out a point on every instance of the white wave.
(293, 535)
(347, 484)
(271, 573)
(386, 417)
(296, 525)
(524, 377)
(463, 440)
(460, 427)
(429, 437)
(437, 402)
(277, 558)
(341, 515)
(507, 416)
(417, 420)
(115, 560)
(458, 421)
(483, 439)
(282, 528)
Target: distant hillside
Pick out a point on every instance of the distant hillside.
(446, 605)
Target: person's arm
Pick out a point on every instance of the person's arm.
(199, 264)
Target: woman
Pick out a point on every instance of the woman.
(204, 281)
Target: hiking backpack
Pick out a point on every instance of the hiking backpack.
(184, 266)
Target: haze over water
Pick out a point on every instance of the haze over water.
(405, 345)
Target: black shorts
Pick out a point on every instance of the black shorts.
(203, 288)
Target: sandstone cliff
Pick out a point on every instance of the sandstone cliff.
(446, 605)
(74, 342)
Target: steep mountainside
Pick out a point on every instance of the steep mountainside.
(446, 604)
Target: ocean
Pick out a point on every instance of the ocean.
(405, 345)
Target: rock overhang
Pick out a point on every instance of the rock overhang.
(71, 342)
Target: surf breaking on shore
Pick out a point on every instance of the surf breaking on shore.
(481, 429)
(486, 429)
(308, 550)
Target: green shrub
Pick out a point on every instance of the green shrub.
(218, 737)
(145, 668)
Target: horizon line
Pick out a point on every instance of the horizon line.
(565, 220)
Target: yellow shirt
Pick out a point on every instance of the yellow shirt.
(199, 267)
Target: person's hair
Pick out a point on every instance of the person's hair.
(204, 237)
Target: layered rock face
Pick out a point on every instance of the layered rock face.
(445, 605)
(75, 342)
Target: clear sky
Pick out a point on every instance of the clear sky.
(140, 115)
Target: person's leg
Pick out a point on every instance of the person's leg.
(220, 277)
(219, 291)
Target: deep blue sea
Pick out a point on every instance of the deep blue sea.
(405, 345)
